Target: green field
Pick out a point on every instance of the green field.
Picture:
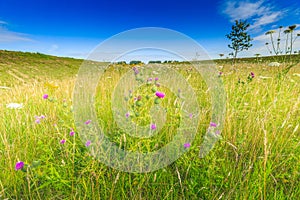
(258, 156)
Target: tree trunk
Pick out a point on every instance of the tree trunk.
(234, 56)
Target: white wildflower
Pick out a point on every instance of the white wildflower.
(274, 64)
(14, 105)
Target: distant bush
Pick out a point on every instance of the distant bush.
(135, 62)
(154, 61)
(121, 63)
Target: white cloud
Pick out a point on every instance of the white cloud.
(267, 19)
(2, 22)
(243, 10)
(266, 38)
(257, 13)
(10, 36)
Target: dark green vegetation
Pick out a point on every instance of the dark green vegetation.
(240, 39)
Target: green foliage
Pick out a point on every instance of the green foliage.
(154, 61)
(135, 62)
(240, 39)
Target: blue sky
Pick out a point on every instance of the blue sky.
(74, 28)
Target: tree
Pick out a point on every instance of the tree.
(240, 39)
(154, 61)
(135, 62)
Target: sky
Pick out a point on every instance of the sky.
(75, 28)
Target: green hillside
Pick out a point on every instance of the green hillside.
(20, 67)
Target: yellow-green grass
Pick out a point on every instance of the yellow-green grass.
(258, 156)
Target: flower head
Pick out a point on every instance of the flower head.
(14, 105)
(160, 94)
(88, 143)
(153, 126)
(136, 71)
(212, 124)
(127, 114)
(19, 165)
(39, 118)
(45, 96)
(88, 122)
(187, 145)
(252, 75)
(72, 133)
(156, 79)
(63, 141)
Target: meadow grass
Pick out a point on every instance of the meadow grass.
(258, 156)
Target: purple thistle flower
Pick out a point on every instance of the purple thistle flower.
(191, 115)
(19, 165)
(212, 124)
(187, 145)
(252, 75)
(218, 132)
(136, 71)
(149, 79)
(88, 122)
(72, 133)
(45, 96)
(63, 141)
(88, 143)
(127, 114)
(156, 79)
(39, 118)
(153, 126)
(160, 94)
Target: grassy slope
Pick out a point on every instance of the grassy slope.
(20, 67)
(259, 156)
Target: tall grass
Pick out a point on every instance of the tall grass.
(258, 156)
